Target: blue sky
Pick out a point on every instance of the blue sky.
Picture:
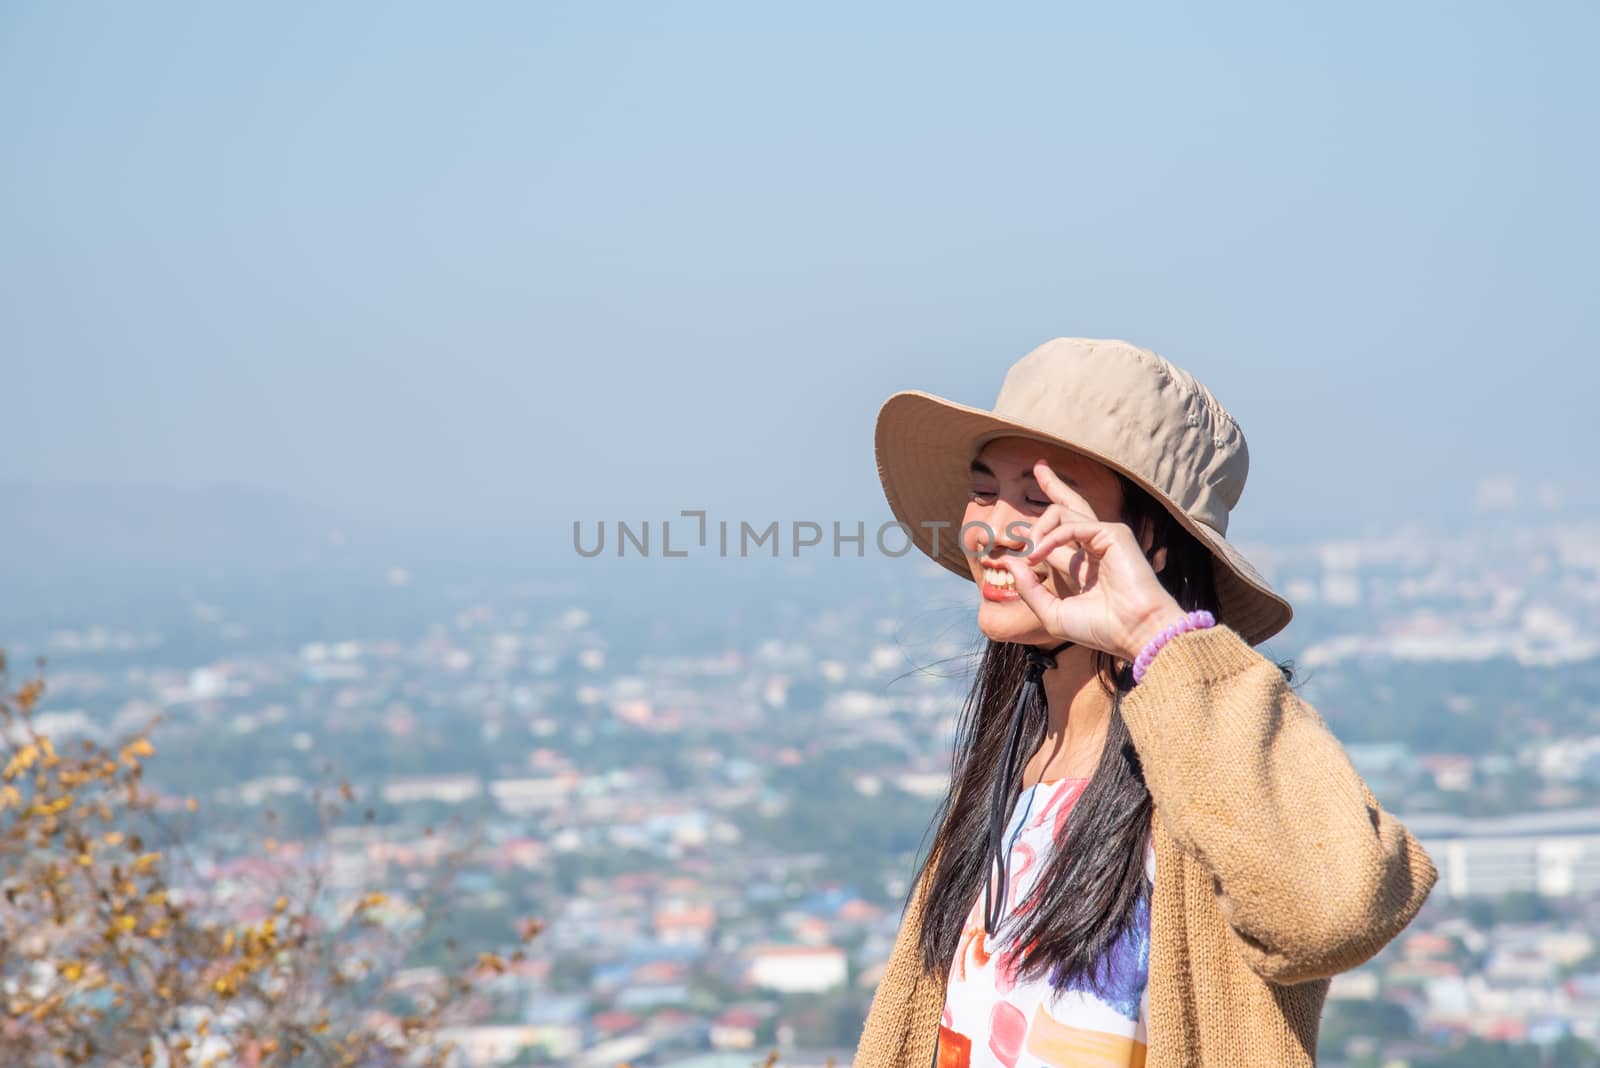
(501, 266)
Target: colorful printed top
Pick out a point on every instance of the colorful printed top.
(993, 1019)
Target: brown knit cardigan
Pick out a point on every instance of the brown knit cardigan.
(1275, 870)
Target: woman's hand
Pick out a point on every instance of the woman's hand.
(1114, 601)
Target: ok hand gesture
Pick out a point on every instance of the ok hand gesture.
(1114, 601)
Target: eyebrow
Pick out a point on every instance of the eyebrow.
(978, 467)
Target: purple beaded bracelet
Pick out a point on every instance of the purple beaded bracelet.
(1193, 621)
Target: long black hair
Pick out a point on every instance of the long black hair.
(1087, 896)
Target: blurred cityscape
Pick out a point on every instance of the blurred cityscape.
(712, 783)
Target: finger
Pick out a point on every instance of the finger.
(1049, 543)
(1060, 492)
(1033, 592)
(1083, 535)
(1050, 520)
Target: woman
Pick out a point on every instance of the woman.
(1152, 851)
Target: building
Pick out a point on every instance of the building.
(798, 969)
(1556, 854)
(445, 789)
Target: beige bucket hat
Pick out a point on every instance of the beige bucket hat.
(1122, 405)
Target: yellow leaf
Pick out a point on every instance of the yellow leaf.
(22, 760)
(28, 696)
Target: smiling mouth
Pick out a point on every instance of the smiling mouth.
(998, 584)
(999, 578)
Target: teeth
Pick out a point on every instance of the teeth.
(1002, 580)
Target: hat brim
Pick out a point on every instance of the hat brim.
(925, 446)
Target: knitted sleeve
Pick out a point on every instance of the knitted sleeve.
(1312, 876)
(887, 1036)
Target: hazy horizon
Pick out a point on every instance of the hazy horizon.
(477, 277)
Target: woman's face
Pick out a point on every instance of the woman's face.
(1005, 503)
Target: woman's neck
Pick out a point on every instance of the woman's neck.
(1079, 711)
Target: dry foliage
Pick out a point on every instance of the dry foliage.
(115, 949)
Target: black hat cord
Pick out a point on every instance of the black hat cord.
(1005, 785)
(1005, 781)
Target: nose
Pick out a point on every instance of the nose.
(1001, 535)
